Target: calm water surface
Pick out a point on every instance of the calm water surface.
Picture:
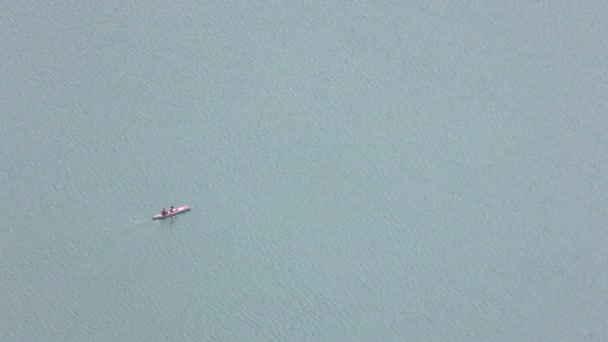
(357, 171)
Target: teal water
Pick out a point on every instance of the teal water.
(357, 171)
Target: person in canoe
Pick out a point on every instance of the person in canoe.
(163, 212)
(171, 210)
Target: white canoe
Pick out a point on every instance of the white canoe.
(169, 213)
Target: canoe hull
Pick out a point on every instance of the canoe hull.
(175, 211)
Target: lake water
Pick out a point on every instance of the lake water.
(400, 171)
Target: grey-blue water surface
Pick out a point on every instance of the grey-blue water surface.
(358, 171)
